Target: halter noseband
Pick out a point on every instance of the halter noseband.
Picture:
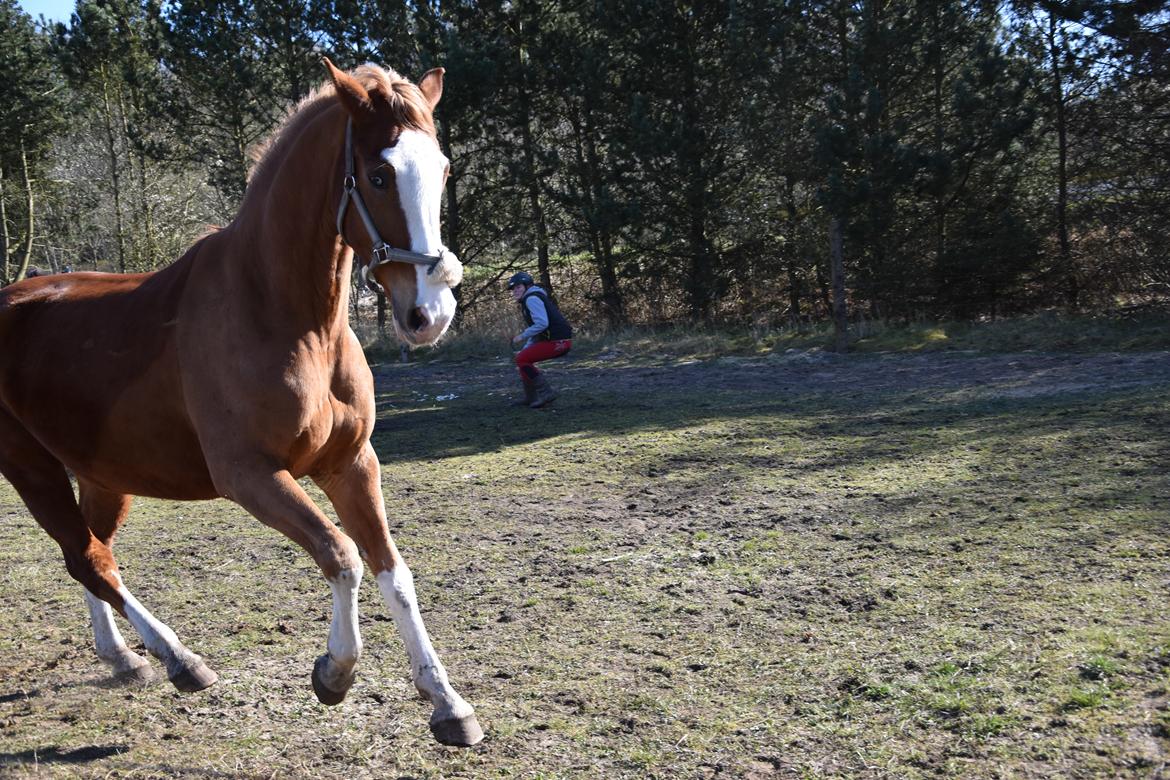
(382, 252)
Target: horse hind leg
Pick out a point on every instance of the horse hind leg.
(185, 669)
(126, 665)
(43, 485)
(104, 512)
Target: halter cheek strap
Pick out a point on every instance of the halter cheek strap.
(382, 252)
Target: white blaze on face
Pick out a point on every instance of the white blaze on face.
(419, 168)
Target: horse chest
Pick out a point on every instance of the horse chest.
(327, 439)
(335, 418)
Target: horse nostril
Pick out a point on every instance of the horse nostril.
(418, 319)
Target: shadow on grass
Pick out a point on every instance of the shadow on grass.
(54, 755)
(1013, 448)
(18, 696)
(878, 423)
(37, 757)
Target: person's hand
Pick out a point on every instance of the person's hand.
(517, 339)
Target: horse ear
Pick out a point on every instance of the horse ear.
(351, 94)
(432, 86)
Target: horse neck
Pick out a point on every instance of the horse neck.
(299, 266)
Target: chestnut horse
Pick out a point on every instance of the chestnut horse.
(233, 372)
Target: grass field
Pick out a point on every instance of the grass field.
(791, 564)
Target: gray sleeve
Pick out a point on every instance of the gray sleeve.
(539, 317)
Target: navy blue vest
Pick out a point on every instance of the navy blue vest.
(558, 326)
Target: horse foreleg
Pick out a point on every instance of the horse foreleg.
(453, 720)
(334, 672)
(278, 501)
(356, 493)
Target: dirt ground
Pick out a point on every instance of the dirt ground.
(794, 565)
(801, 373)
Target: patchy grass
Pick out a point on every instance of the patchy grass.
(1143, 329)
(751, 566)
(1126, 330)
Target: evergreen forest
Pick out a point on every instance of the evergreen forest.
(771, 162)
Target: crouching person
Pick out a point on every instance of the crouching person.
(547, 336)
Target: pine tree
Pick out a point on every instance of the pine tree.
(681, 96)
(583, 78)
(222, 103)
(109, 53)
(30, 113)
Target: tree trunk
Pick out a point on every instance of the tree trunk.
(699, 278)
(1072, 286)
(789, 250)
(795, 319)
(536, 209)
(30, 203)
(700, 272)
(454, 226)
(4, 238)
(823, 300)
(837, 264)
(148, 254)
(241, 159)
(600, 237)
(115, 175)
(531, 184)
(936, 53)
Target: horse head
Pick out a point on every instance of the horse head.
(398, 175)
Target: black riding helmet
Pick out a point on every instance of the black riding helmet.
(520, 278)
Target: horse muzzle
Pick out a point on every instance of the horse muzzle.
(427, 320)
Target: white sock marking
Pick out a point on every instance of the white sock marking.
(111, 647)
(159, 638)
(397, 586)
(345, 641)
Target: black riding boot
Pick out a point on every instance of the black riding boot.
(544, 392)
(529, 395)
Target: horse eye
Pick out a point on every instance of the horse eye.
(378, 180)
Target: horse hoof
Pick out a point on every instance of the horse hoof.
(194, 678)
(459, 732)
(325, 694)
(138, 674)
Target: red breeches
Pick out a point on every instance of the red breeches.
(528, 357)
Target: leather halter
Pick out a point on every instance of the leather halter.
(382, 252)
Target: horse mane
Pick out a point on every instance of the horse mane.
(408, 108)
